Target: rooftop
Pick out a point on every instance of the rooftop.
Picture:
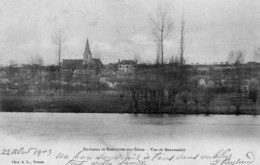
(129, 62)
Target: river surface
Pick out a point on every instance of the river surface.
(128, 127)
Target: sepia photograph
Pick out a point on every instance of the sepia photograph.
(129, 82)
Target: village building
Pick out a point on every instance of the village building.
(87, 64)
(126, 66)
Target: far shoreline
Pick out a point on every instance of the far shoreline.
(126, 113)
(103, 103)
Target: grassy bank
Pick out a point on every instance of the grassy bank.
(61, 103)
(107, 103)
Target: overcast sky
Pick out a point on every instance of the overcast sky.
(121, 29)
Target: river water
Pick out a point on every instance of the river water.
(128, 127)
(194, 132)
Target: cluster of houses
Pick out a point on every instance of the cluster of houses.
(91, 72)
(87, 71)
(226, 76)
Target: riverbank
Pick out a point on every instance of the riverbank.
(109, 103)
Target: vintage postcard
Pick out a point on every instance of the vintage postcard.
(129, 82)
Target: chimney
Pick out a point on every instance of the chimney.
(119, 61)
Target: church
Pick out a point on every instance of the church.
(87, 63)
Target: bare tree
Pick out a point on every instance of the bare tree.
(162, 27)
(36, 59)
(174, 60)
(182, 41)
(236, 57)
(58, 38)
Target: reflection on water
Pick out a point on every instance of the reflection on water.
(55, 126)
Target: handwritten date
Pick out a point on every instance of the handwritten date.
(24, 151)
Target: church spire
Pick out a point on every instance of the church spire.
(87, 49)
(87, 56)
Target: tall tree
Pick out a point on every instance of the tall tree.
(58, 38)
(182, 40)
(237, 58)
(162, 27)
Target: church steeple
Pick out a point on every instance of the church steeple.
(87, 56)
